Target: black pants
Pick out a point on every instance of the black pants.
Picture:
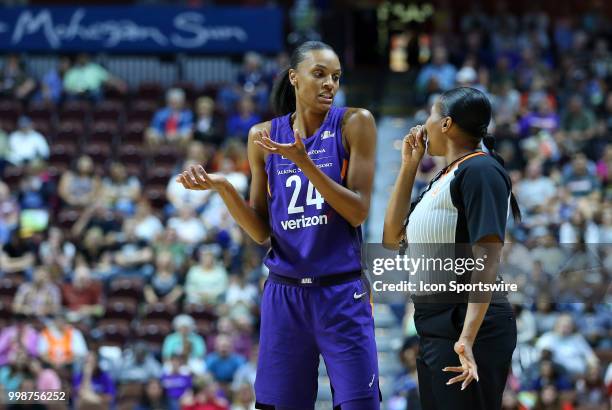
(439, 327)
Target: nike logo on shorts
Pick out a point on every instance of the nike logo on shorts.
(358, 296)
(372, 382)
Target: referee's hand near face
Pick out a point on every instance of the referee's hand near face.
(413, 149)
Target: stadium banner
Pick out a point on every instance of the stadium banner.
(144, 29)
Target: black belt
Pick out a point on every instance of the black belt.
(328, 280)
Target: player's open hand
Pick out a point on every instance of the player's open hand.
(295, 152)
(198, 179)
(413, 147)
(468, 368)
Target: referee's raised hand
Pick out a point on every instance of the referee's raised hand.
(413, 148)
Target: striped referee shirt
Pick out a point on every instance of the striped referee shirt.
(465, 202)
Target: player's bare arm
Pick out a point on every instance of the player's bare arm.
(252, 218)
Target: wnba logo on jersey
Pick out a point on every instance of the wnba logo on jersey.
(304, 222)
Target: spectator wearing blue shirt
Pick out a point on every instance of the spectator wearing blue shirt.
(174, 123)
(223, 363)
(52, 84)
(239, 124)
(252, 80)
(580, 178)
(439, 75)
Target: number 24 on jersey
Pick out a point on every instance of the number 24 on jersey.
(313, 197)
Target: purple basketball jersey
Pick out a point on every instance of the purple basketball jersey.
(309, 238)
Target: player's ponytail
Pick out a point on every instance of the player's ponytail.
(471, 110)
(283, 92)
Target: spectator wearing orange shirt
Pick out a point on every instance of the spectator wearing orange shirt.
(61, 344)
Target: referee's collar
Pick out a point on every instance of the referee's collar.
(461, 158)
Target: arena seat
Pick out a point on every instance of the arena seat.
(126, 287)
(12, 176)
(100, 152)
(8, 286)
(131, 154)
(10, 109)
(40, 110)
(141, 110)
(115, 333)
(74, 110)
(166, 156)
(8, 124)
(210, 90)
(61, 155)
(198, 311)
(43, 126)
(153, 333)
(69, 132)
(108, 110)
(159, 311)
(134, 133)
(103, 131)
(156, 197)
(6, 308)
(150, 91)
(119, 311)
(158, 176)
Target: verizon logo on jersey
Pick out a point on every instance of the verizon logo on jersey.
(304, 222)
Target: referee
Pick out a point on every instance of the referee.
(465, 346)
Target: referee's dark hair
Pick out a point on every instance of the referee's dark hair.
(471, 110)
(283, 94)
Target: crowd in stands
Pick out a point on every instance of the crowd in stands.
(127, 291)
(118, 285)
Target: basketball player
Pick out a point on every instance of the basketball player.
(466, 203)
(312, 170)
